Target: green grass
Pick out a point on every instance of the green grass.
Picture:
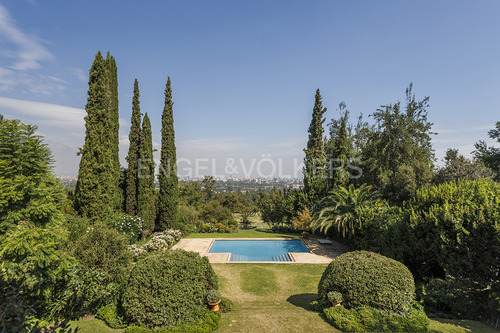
(92, 325)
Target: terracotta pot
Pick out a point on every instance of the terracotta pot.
(335, 303)
(215, 306)
(305, 234)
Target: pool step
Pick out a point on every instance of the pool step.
(280, 257)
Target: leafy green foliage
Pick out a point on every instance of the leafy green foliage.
(398, 158)
(109, 314)
(457, 167)
(34, 264)
(303, 220)
(206, 322)
(452, 226)
(104, 250)
(369, 279)
(445, 298)
(167, 289)
(367, 319)
(146, 193)
(134, 138)
(168, 205)
(28, 191)
(315, 159)
(344, 208)
(131, 226)
(490, 155)
(225, 305)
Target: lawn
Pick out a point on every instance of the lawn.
(274, 298)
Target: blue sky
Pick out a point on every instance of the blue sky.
(244, 73)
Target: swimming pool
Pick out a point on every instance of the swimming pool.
(259, 250)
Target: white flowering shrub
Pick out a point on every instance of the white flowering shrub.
(129, 225)
(159, 241)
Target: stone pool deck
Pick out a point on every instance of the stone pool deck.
(320, 253)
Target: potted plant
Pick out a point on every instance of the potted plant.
(335, 297)
(303, 221)
(213, 299)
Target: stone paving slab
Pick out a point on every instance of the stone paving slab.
(320, 253)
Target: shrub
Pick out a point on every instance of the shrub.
(129, 225)
(159, 242)
(206, 322)
(225, 305)
(369, 279)
(318, 305)
(452, 226)
(367, 319)
(449, 298)
(165, 289)
(109, 314)
(106, 250)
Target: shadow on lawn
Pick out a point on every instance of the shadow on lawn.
(302, 300)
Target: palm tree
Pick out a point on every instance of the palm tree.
(344, 207)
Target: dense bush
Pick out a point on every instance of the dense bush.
(451, 298)
(34, 263)
(452, 227)
(369, 279)
(109, 314)
(367, 319)
(206, 322)
(159, 242)
(166, 289)
(129, 225)
(225, 305)
(104, 250)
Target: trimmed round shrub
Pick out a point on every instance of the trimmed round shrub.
(369, 279)
(167, 289)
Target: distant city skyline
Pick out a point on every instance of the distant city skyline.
(244, 73)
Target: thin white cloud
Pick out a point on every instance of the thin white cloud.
(29, 51)
(64, 118)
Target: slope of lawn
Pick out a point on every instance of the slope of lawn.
(274, 298)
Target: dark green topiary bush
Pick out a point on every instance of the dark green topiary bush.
(367, 319)
(168, 289)
(369, 279)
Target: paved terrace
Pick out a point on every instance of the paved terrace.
(320, 253)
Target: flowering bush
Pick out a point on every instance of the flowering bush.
(159, 241)
(129, 225)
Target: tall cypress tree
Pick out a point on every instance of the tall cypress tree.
(146, 194)
(315, 160)
(133, 154)
(93, 193)
(338, 150)
(114, 128)
(169, 187)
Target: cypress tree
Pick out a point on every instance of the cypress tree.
(315, 160)
(339, 152)
(169, 187)
(94, 193)
(114, 128)
(133, 154)
(146, 194)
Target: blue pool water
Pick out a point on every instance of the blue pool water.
(258, 250)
